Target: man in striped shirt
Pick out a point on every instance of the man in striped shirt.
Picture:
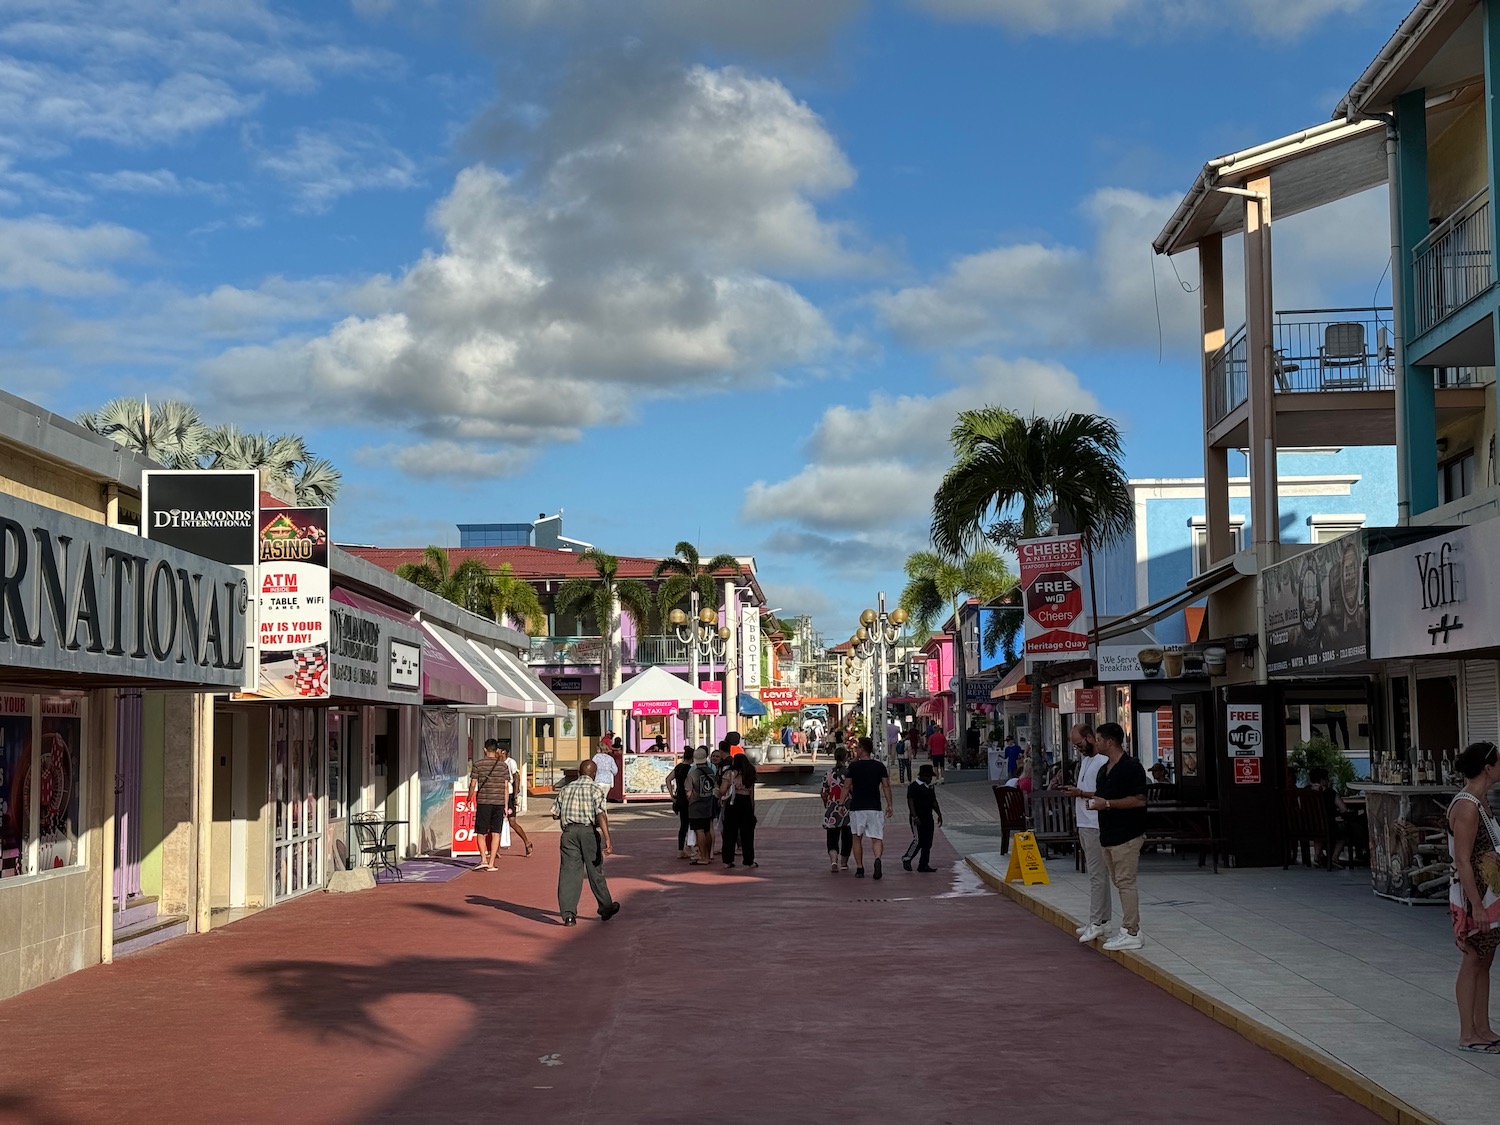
(585, 842)
(489, 784)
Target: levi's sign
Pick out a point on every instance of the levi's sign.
(80, 597)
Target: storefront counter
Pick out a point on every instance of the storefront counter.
(1408, 841)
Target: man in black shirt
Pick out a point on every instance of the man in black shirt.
(922, 807)
(869, 788)
(1120, 799)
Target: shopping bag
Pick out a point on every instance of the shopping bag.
(505, 834)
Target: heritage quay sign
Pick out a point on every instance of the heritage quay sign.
(84, 598)
(1052, 586)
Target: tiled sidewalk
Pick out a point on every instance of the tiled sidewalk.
(1314, 956)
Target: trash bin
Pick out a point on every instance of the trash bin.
(997, 763)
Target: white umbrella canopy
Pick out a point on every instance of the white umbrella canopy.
(653, 685)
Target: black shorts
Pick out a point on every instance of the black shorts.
(489, 818)
(700, 823)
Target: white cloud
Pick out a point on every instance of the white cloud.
(765, 27)
(1034, 294)
(320, 166)
(877, 466)
(1117, 294)
(633, 257)
(453, 460)
(140, 72)
(43, 255)
(1280, 19)
(159, 181)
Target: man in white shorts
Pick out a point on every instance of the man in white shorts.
(870, 788)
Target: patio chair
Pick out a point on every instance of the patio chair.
(1052, 820)
(374, 850)
(1012, 804)
(1345, 355)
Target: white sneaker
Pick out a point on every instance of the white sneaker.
(1092, 933)
(1124, 940)
(1080, 929)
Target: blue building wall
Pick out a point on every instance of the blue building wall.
(1169, 525)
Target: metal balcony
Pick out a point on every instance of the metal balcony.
(645, 652)
(1453, 264)
(1316, 351)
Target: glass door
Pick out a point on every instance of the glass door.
(297, 786)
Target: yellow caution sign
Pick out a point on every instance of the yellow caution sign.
(1026, 860)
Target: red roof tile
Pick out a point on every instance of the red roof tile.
(526, 562)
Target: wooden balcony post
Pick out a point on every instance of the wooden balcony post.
(1260, 361)
(1215, 460)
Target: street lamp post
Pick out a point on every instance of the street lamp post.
(703, 636)
(878, 631)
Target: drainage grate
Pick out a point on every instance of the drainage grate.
(1178, 902)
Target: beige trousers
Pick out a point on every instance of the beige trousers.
(1123, 861)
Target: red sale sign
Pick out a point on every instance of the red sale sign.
(1052, 588)
(464, 840)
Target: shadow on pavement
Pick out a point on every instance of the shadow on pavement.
(521, 910)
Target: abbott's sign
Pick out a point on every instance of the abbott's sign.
(80, 597)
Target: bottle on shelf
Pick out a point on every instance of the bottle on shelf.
(1424, 770)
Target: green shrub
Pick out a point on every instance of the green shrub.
(1321, 752)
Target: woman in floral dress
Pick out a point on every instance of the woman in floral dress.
(1474, 896)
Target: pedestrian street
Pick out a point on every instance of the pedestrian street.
(786, 994)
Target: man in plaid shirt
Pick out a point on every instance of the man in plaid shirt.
(585, 842)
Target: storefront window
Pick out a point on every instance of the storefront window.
(41, 809)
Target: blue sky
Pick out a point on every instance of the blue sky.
(683, 268)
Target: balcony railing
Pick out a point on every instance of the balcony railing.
(640, 653)
(647, 651)
(1315, 350)
(566, 650)
(1453, 264)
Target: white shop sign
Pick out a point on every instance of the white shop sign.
(1244, 730)
(1437, 597)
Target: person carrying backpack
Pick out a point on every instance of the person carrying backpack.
(700, 787)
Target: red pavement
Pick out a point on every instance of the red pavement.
(784, 995)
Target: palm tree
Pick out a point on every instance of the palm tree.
(605, 598)
(686, 571)
(170, 433)
(469, 584)
(313, 480)
(935, 584)
(1013, 478)
(515, 599)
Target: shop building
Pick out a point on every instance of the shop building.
(571, 657)
(110, 648)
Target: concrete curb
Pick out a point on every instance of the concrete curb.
(1352, 1084)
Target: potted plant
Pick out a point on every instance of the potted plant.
(1320, 751)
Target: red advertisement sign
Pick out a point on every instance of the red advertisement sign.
(1088, 701)
(654, 707)
(780, 698)
(1052, 586)
(464, 840)
(705, 706)
(1247, 771)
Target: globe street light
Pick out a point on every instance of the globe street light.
(878, 631)
(702, 636)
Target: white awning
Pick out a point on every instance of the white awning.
(511, 687)
(654, 685)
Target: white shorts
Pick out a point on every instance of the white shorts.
(869, 823)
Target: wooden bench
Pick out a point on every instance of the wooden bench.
(1012, 804)
(1052, 819)
(1183, 829)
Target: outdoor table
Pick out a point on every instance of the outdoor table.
(380, 831)
(1180, 823)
